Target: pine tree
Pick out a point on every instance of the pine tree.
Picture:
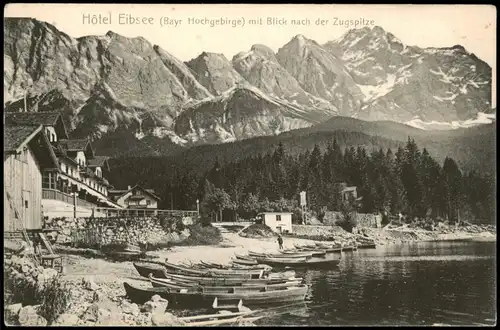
(451, 188)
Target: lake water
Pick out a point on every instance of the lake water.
(441, 283)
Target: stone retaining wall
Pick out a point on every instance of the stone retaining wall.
(90, 232)
(364, 220)
(310, 230)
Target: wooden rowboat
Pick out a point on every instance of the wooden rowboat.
(314, 252)
(161, 282)
(220, 319)
(197, 297)
(244, 257)
(214, 265)
(236, 265)
(245, 262)
(222, 281)
(312, 262)
(239, 273)
(280, 255)
(144, 269)
(233, 320)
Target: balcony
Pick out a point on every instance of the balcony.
(67, 198)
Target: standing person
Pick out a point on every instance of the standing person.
(280, 242)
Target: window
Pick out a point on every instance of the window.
(148, 202)
(26, 204)
(278, 217)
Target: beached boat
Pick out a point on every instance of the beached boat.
(266, 268)
(144, 269)
(239, 273)
(280, 255)
(245, 262)
(244, 257)
(224, 281)
(198, 297)
(162, 282)
(214, 265)
(305, 262)
(224, 318)
(314, 252)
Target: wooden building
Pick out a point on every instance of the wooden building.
(279, 222)
(27, 153)
(76, 171)
(136, 197)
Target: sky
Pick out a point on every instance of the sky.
(180, 30)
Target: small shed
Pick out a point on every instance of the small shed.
(279, 222)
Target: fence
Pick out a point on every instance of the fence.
(134, 213)
(86, 237)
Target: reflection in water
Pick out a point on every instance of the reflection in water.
(416, 284)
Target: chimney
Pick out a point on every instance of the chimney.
(129, 187)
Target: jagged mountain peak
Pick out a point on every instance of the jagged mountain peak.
(214, 72)
(402, 82)
(264, 51)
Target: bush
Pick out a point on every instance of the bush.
(55, 300)
(258, 230)
(53, 295)
(201, 235)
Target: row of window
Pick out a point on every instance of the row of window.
(148, 202)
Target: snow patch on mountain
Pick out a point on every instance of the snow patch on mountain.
(482, 118)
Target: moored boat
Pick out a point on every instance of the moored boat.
(245, 262)
(309, 262)
(329, 248)
(244, 257)
(281, 255)
(161, 282)
(198, 297)
(239, 273)
(314, 252)
(224, 281)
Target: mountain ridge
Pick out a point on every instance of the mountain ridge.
(112, 83)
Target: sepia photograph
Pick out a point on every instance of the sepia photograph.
(249, 165)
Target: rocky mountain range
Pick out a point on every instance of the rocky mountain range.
(111, 87)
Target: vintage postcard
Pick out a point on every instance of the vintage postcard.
(217, 164)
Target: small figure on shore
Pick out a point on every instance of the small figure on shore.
(280, 242)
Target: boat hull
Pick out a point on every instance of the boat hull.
(239, 273)
(281, 255)
(219, 281)
(200, 299)
(310, 263)
(158, 282)
(145, 269)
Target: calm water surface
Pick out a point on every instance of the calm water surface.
(450, 283)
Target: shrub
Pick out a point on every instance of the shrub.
(53, 295)
(202, 235)
(55, 299)
(258, 230)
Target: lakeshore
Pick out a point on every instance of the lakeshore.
(90, 276)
